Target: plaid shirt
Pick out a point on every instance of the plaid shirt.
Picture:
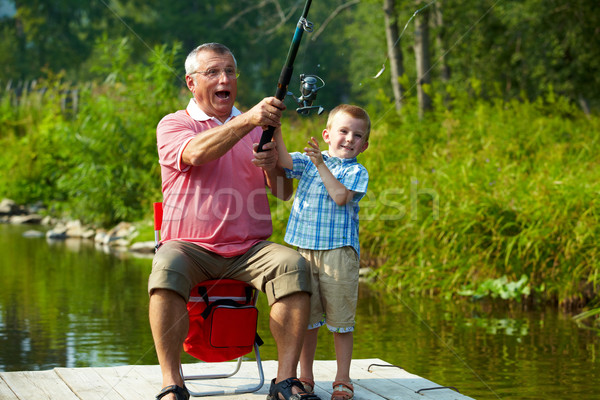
(316, 222)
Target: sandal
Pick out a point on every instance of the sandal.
(342, 391)
(284, 388)
(181, 393)
(309, 384)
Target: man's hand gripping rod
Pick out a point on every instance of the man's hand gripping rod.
(288, 68)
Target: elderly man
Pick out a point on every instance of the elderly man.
(216, 218)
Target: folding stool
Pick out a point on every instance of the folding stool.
(214, 308)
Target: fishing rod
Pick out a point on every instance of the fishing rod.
(309, 83)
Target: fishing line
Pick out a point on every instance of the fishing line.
(149, 349)
(400, 36)
(448, 347)
(460, 39)
(143, 42)
(421, 320)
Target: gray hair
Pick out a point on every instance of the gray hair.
(191, 62)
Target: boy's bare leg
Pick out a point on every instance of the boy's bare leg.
(307, 356)
(343, 354)
(288, 322)
(169, 323)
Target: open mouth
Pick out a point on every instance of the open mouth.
(223, 94)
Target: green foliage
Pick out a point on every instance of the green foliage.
(470, 200)
(31, 129)
(501, 287)
(101, 163)
(115, 167)
(485, 191)
(498, 182)
(590, 318)
(57, 35)
(512, 48)
(497, 199)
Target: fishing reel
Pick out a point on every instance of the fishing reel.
(309, 85)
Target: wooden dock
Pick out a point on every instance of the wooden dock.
(373, 379)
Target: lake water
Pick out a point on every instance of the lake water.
(70, 304)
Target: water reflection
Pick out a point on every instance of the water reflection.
(63, 303)
(67, 304)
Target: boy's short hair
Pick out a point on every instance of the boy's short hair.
(355, 112)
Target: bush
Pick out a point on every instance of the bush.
(99, 162)
(485, 197)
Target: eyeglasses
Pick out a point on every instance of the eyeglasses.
(214, 73)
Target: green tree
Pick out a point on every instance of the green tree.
(55, 35)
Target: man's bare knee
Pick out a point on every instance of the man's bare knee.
(166, 300)
(294, 304)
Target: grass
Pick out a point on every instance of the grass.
(487, 198)
(496, 199)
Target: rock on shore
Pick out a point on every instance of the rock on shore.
(120, 236)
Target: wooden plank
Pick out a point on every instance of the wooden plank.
(149, 375)
(143, 382)
(87, 383)
(411, 381)
(140, 382)
(5, 392)
(38, 385)
(325, 372)
(246, 377)
(389, 386)
(247, 370)
(127, 382)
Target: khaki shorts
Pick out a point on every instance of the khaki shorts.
(334, 281)
(271, 268)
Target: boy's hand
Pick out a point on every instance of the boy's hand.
(314, 152)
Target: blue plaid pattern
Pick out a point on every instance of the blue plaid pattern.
(316, 222)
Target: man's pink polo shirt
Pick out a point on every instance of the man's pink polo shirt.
(221, 205)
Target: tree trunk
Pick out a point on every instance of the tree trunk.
(394, 51)
(585, 106)
(423, 60)
(439, 39)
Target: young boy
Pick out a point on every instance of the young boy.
(323, 224)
